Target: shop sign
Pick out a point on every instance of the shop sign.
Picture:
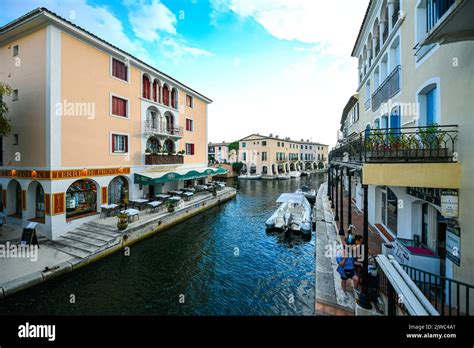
(453, 244)
(449, 203)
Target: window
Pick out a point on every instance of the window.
(16, 50)
(146, 87)
(244, 156)
(189, 101)
(119, 143)
(119, 70)
(244, 144)
(119, 106)
(189, 149)
(264, 143)
(264, 156)
(278, 144)
(190, 125)
(15, 94)
(15, 139)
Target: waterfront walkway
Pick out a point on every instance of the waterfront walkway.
(330, 298)
(93, 240)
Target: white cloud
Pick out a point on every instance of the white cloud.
(307, 21)
(148, 20)
(177, 48)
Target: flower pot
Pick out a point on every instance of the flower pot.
(122, 225)
(170, 209)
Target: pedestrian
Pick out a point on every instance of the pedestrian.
(346, 268)
(358, 254)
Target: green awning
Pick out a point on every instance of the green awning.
(152, 178)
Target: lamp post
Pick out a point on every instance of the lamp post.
(336, 216)
(329, 184)
(341, 214)
(364, 300)
(349, 200)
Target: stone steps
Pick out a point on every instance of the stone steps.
(76, 244)
(84, 239)
(69, 250)
(99, 231)
(94, 235)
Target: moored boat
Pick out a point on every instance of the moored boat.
(293, 214)
(250, 176)
(283, 176)
(295, 174)
(308, 193)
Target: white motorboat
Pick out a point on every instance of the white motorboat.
(250, 176)
(309, 194)
(295, 174)
(283, 176)
(269, 177)
(293, 214)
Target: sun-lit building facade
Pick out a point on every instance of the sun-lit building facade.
(91, 125)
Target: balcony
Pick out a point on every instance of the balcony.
(162, 129)
(418, 156)
(163, 159)
(389, 87)
(449, 21)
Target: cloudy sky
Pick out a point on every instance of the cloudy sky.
(271, 66)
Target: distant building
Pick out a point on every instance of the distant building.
(220, 152)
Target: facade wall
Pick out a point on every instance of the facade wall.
(27, 73)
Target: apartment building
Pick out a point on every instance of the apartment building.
(406, 135)
(272, 155)
(91, 125)
(220, 152)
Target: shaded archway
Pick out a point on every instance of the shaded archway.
(152, 118)
(81, 199)
(169, 122)
(264, 170)
(14, 199)
(166, 95)
(168, 146)
(35, 200)
(118, 191)
(153, 145)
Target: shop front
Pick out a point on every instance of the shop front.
(81, 199)
(118, 191)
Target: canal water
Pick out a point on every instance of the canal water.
(221, 262)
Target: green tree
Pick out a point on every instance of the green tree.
(5, 126)
(234, 146)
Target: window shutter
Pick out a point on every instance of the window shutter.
(126, 143)
(113, 143)
(192, 149)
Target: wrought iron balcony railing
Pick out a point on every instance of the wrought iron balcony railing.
(389, 87)
(407, 144)
(157, 128)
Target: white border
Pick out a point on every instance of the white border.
(111, 152)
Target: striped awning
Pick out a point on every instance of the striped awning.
(152, 178)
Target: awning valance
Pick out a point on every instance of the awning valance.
(152, 178)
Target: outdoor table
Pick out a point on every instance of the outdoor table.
(187, 195)
(153, 205)
(131, 213)
(189, 189)
(140, 203)
(175, 199)
(200, 188)
(175, 193)
(162, 197)
(106, 209)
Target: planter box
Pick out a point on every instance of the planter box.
(164, 159)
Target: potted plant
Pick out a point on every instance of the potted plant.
(147, 151)
(181, 153)
(122, 222)
(171, 206)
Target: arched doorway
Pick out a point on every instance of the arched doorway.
(81, 199)
(168, 146)
(118, 190)
(153, 145)
(152, 118)
(253, 169)
(35, 201)
(264, 170)
(169, 122)
(15, 199)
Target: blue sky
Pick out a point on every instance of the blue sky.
(271, 66)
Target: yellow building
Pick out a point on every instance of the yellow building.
(91, 125)
(271, 155)
(407, 132)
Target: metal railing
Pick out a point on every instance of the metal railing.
(435, 9)
(389, 87)
(157, 128)
(406, 144)
(163, 159)
(448, 296)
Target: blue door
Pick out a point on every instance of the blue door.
(431, 107)
(395, 122)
